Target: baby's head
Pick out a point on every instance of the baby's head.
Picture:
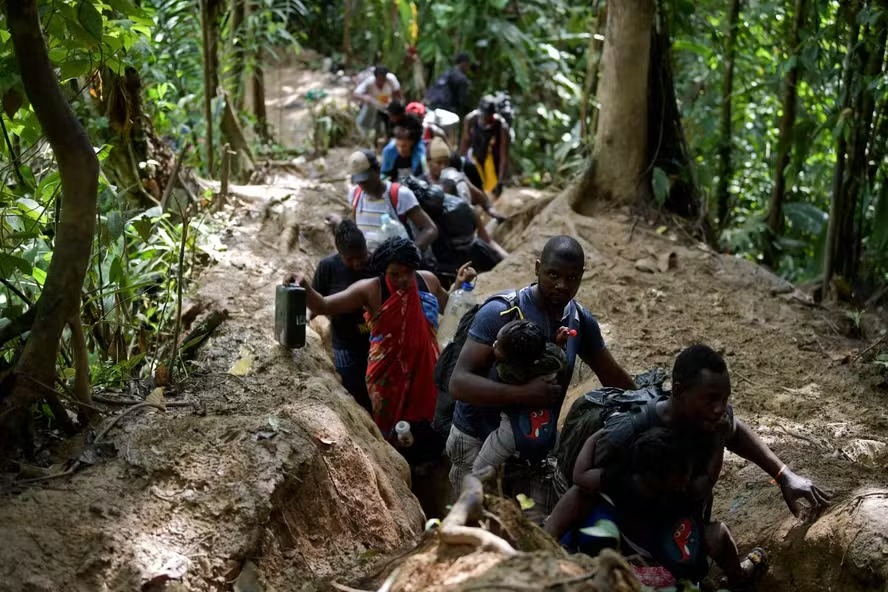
(520, 343)
(662, 461)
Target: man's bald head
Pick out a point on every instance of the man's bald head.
(564, 249)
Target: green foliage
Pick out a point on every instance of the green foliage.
(761, 61)
(130, 289)
(173, 72)
(660, 185)
(332, 127)
(172, 64)
(133, 273)
(537, 52)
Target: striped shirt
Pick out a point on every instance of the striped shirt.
(368, 212)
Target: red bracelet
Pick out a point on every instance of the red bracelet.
(780, 472)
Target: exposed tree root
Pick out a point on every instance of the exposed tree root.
(469, 508)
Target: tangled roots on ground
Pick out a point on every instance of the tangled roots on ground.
(486, 543)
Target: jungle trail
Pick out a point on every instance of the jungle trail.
(397, 366)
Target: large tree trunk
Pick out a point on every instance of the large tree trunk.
(871, 52)
(243, 164)
(722, 192)
(79, 172)
(618, 169)
(347, 11)
(787, 122)
(841, 209)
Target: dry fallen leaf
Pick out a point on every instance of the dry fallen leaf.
(156, 398)
(324, 439)
(525, 502)
(242, 366)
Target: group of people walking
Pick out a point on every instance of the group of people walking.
(650, 469)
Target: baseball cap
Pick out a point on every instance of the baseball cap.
(438, 149)
(463, 58)
(380, 71)
(488, 105)
(360, 164)
(416, 108)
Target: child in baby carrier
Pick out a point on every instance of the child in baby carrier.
(522, 354)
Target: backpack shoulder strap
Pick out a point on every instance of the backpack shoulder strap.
(356, 199)
(511, 299)
(393, 194)
(645, 417)
(394, 188)
(421, 283)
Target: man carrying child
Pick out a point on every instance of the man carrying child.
(652, 470)
(522, 354)
(481, 397)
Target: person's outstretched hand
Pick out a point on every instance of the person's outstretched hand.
(297, 278)
(466, 273)
(795, 488)
(496, 215)
(333, 220)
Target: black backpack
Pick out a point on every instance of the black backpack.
(440, 95)
(447, 361)
(589, 413)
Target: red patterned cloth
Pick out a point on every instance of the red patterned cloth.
(654, 576)
(401, 363)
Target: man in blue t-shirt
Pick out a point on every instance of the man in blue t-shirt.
(549, 303)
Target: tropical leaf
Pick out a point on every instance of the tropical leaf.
(660, 185)
(805, 216)
(11, 263)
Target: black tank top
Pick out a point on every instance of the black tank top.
(485, 139)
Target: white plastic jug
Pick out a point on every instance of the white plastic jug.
(391, 228)
(460, 302)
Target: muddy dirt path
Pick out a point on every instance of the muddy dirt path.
(278, 476)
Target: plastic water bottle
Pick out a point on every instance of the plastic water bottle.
(391, 228)
(405, 437)
(459, 304)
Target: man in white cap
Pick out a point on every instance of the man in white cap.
(373, 199)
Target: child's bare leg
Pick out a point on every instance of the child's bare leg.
(721, 547)
(568, 512)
